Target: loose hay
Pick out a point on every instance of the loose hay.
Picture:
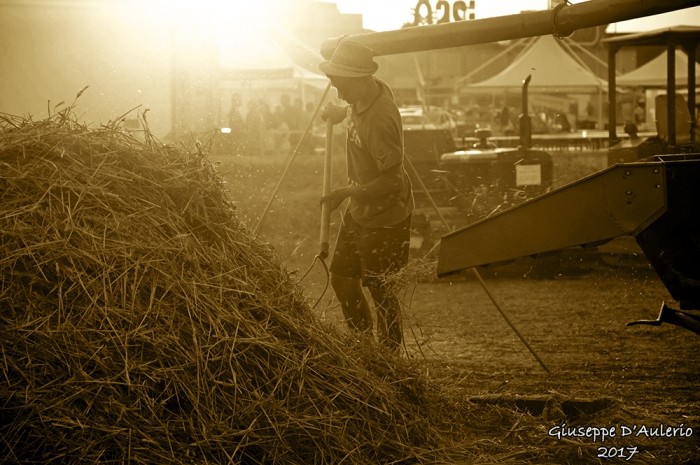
(142, 321)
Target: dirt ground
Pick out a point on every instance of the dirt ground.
(602, 373)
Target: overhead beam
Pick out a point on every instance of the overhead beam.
(560, 21)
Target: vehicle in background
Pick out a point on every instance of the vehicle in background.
(415, 117)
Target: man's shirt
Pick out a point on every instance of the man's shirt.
(375, 144)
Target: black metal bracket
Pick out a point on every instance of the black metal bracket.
(689, 321)
(558, 31)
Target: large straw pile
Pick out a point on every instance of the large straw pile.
(142, 322)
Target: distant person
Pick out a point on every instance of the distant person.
(506, 124)
(298, 107)
(258, 112)
(235, 120)
(298, 124)
(309, 113)
(640, 113)
(282, 120)
(288, 114)
(268, 143)
(308, 144)
(288, 123)
(561, 123)
(238, 134)
(589, 121)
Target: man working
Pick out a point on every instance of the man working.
(375, 233)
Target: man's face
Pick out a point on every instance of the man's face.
(349, 89)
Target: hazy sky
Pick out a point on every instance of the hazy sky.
(383, 15)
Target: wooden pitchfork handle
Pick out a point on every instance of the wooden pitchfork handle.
(326, 206)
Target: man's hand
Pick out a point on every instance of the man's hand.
(336, 197)
(335, 113)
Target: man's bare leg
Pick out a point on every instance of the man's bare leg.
(353, 302)
(389, 326)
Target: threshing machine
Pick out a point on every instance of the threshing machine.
(654, 201)
(649, 193)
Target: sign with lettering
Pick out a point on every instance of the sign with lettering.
(424, 13)
(528, 175)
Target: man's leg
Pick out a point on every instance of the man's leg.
(352, 300)
(384, 251)
(346, 272)
(389, 324)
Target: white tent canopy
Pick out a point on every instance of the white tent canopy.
(552, 68)
(654, 73)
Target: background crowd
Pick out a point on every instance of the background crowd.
(264, 129)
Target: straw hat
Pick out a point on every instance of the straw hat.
(350, 59)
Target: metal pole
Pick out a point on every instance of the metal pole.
(671, 92)
(525, 123)
(561, 21)
(690, 49)
(612, 96)
(600, 109)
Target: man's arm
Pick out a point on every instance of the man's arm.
(390, 181)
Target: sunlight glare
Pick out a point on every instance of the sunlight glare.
(237, 27)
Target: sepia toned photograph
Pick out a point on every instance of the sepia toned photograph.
(294, 232)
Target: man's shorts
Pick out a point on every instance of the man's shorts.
(367, 253)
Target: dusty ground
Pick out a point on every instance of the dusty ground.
(576, 323)
(576, 326)
(621, 376)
